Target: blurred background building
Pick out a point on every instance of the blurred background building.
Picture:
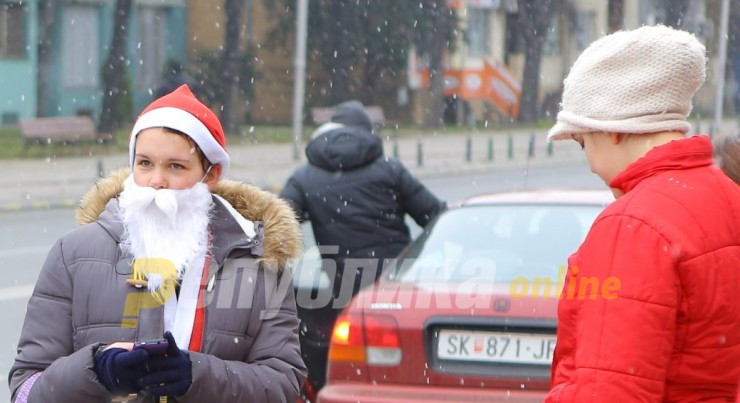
(424, 61)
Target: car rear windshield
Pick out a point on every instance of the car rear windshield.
(495, 243)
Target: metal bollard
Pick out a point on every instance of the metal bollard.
(510, 147)
(419, 153)
(101, 170)
(490, 148)
(468, 149)
(530, 151)
(549, 148)
(395, 148)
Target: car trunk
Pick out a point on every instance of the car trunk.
(488, 339)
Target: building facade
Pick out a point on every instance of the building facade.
(80, 37)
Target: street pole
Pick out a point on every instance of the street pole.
(299, 86)
(720, 68)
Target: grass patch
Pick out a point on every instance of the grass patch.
(13, 145)
(253, 134)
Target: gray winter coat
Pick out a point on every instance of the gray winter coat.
(250, 350)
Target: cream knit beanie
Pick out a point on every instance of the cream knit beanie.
(638, 81)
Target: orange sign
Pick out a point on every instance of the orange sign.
(454, 4)
(493, 83)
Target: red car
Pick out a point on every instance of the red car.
(469, 311)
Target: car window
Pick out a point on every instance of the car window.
(496, 243)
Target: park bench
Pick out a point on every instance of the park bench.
(63, 129)
(323, 115)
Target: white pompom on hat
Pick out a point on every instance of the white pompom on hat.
(638, 81)
(180, 110)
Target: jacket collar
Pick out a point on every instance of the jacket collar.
(229, 233)
(277, 236)
(688, 153)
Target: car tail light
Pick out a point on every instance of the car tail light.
(383, 340)
(374, 340)
(347, 340)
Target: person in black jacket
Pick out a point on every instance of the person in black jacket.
(356, 200)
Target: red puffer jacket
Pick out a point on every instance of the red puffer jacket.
(672, 333)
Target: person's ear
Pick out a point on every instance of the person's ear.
(213, 176)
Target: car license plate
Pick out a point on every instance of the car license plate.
(516, 348)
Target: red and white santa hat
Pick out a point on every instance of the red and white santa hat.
(181, 111)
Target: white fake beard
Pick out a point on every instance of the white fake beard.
(165, 223)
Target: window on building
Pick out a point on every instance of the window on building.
(80, 46)
(151, 48)
(479, 32)
(12, 30)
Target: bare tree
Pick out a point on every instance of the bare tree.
(433, 33)
(251, 49)
(534, 19)
(114, 71)
(616, 15)
(230, 59)
(48, 10)
(439, 16)
(343, 33)
(362, 45)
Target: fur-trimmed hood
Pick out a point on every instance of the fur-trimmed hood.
(282, 239)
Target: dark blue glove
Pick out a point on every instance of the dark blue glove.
(119, 370)
(171, 375)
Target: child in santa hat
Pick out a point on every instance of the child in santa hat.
(168, 248)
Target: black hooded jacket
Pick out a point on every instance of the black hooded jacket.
(356, 198)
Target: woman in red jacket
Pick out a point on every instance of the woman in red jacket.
(672, 237)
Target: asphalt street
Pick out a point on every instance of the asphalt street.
(26, 236)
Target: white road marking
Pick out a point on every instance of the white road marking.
(16, 292)
(24, 251)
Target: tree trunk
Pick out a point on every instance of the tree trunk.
(251, 53)
(371, 75)
(249, 4)
(534, 17)
(529, 107)
(114, 70)
(616, 15)
(674, 12)
(48, 14)
(434, 116)
(340, 60)
(230, 57)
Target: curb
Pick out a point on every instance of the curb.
(275, 187)
(38, 205)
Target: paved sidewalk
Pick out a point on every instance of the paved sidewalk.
(60, 182)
